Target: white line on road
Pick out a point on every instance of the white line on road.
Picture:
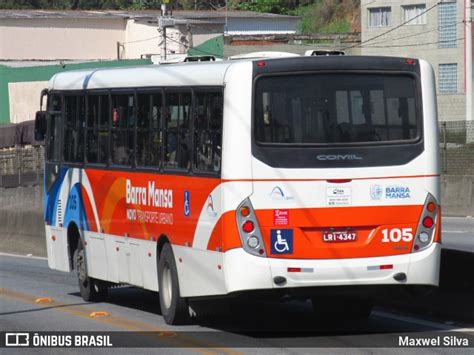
(458, 217)
(418, 321)
(24, 256)
(460, 232)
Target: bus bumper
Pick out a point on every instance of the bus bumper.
(247, 272)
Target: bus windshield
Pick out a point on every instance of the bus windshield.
(336, 108)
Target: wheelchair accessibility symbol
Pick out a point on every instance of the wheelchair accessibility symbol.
(281, 241)
(187, 203)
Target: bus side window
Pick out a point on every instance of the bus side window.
(54, 129)
(123, 124)
(92, 127)
(148, 147)
(74, 117)
(177, 134)
(97, 129)
(208, 131)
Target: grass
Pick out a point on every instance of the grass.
(337, 26)
(326, 16)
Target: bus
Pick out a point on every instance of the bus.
(311, 177)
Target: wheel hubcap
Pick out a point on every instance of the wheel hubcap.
(167, 290)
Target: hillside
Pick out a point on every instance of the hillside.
(330, 16)
(316, 15)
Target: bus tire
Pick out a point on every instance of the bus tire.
(174, 308)
(91, 290)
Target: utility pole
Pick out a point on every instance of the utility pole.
(164, 21)
(468, 44)
(226, 16)
(468, 4)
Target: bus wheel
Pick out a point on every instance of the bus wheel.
(90, 288)
(174, 308)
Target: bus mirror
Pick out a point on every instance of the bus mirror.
(40, 125)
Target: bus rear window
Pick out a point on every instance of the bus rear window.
(338, 108)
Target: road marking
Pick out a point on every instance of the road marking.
(98, 314)
(43, 300)
(23, 256)
(418, 321)
(457, 217)
(460, 232)
(198, 345)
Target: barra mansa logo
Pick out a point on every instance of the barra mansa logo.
(151, 196)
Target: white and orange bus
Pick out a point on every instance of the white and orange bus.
(306, 176)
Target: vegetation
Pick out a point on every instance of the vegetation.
(330, 16)
(102, 4)
(109, 4)
(316, 15)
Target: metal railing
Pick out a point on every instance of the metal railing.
(457, 147)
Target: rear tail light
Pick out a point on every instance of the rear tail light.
(426, 230)
(249, 229)
(248, 226)
(244, 211)
(428, 222)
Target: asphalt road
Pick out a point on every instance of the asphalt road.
(35, 298)
(458, 233)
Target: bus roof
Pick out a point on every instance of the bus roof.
(182, 74)
(205, 73)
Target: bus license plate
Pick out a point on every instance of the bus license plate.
(339, 236)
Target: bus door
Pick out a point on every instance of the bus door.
(58, 255)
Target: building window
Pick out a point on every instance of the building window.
(414, 14)
(447, 25)
(448, 78)
(380, 16)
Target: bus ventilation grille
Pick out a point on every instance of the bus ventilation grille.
(59, 216)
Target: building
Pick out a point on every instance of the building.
(107, 35)
(34, 45)
(428, 29)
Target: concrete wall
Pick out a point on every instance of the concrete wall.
(55, 38)
(92, 38)
(24, 100)
(141, 38)
(21, 221)
(452, 107)
(457, 195)
(419, 41)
